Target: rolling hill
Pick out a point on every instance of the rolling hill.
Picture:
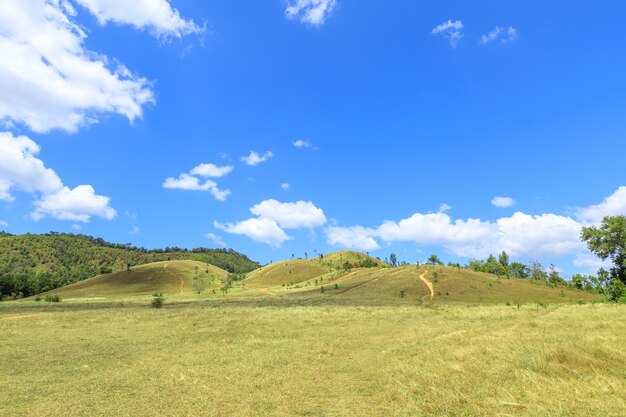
(31, 264)
(167, 277)
(297, 270)
(410, 285)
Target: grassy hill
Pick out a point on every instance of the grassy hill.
(295, 271)
(32, 264)
(407, 285)
(167, 277)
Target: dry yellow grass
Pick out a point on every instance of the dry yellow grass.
(225, 359)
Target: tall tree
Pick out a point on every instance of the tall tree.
(393, 259)
(504, 260)
(608, 241)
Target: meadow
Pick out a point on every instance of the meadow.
(305, 338)
(267, 358)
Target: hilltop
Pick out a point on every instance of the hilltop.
(294, 271)
(31, 264)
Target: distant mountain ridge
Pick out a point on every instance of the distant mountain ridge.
(34, 263)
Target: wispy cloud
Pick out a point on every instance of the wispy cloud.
(451, 30)
(312, 12)
(505, 35)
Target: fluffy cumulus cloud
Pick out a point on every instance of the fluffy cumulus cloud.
(356, 237)
(191, 182)
(312, 12)
(520, 235)
(212, 170)
(505, 35)
(503, 202)
(255, 158)
(49, 80)
(272, 217)
(3, 223)
(451, 30)
(157, 16)
(78, 204)
(285, 186)
(298, 215)
(613, 205)
(21, 169)
(260, 230)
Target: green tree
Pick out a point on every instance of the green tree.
(201, 280)
(434, 259)
(393, 259)
(608, 241)
(518, 270)
(504, 260)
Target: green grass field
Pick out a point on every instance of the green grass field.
(407, 341)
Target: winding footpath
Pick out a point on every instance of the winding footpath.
(428, 284)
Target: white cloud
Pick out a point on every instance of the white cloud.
(312, 12)
(444, 207)
(505, 35)
(3, 223)
(254, 158)
(78, 204)
(258, 229)
(453, 31)
(301, 214)
(217, 240)
(589, 264)
(49, 80)
(613, 205)
(285, 186)
(520, 234)
(21, 169)
(190, 183)
(300, 143)
(503, 202)
(77, 227)
(211, 170)
(274, 216)
(155, 15)
(356, 237)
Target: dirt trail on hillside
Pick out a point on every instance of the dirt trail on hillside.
(428, 284)
(182, 281)
(268, 292)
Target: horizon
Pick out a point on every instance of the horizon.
(284, 128)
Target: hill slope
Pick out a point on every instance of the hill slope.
(411, 285)
(167, 277)
(297, 270)
(32, 264)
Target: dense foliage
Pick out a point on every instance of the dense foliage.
(31, 264)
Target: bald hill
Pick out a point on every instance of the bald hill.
(31, 264)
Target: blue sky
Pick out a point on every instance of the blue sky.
(411, 118)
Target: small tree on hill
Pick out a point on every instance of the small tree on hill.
(393, 259)
(434, 260)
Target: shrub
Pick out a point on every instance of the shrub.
(38, 298)
(53, 299)
(402, 293)
(336, 286)
(157, 300)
